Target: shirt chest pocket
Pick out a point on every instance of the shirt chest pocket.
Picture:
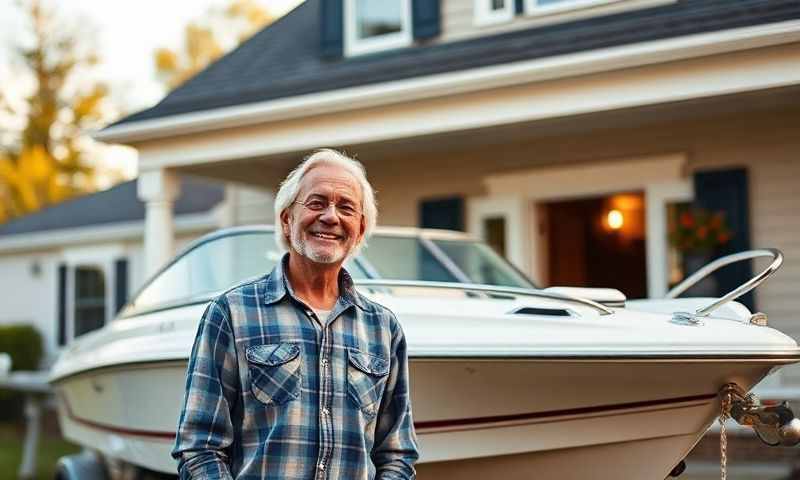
(275, 374)
(366, 378)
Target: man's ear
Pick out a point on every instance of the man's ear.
(363, 228)
(285, 222)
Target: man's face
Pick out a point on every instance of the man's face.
(327, 235)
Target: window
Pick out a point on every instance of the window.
(375, 25)
(89, 306)
(494, 233)
(544, 7)
(488, 12)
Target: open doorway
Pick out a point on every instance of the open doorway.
(597, 242)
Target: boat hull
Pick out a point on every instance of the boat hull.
(566, 418)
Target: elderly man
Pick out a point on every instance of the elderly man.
(295, 374)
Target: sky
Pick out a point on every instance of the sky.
(126, 34)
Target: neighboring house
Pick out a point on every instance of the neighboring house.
(536, 124)
(69, 268)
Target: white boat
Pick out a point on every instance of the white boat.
(555, 383)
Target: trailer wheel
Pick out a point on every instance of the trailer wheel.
(81, 466)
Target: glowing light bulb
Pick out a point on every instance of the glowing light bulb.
(615, 219)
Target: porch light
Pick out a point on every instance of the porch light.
(615, 219)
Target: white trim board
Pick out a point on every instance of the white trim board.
(484, 78)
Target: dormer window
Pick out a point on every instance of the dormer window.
(375, 25)
(491, 12)
(546, 7)
(488, 12)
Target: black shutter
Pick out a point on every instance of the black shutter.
(447, 213)
(426, 15)
(331, 24)
(120, 283)
(519, 6)
(726, 191)
(62, 304)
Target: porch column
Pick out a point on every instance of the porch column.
(158, 189)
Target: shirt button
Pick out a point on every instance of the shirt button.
(322, 466)
(324, 362)
(325, 411)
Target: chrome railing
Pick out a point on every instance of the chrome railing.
(470, 287)
(715, 265)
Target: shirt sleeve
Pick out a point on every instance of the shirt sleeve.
(205, 431)
(395, 450)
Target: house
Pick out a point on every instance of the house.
(69, 268)
(573, 135)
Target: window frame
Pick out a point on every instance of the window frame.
(483, 14)
(106, 275)
(533, 9)
(353, 46)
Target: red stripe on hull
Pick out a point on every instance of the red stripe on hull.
(475, 423)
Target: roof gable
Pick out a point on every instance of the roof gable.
(117, 204)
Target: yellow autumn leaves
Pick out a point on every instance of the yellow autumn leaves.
(208, 39)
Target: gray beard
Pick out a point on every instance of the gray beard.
(300, 247)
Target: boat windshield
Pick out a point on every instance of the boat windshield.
(218, 263)
(482, 265)
(461, 261)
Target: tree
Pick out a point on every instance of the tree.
(44, 154)
(207, 39)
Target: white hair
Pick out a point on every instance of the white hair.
(290, 187)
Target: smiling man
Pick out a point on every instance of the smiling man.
(295, 374)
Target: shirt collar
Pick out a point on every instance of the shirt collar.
(277, 286)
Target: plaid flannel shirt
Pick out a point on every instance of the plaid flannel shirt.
(273, 394)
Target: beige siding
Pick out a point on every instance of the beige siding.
(458, 17)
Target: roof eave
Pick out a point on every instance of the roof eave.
(484, 78)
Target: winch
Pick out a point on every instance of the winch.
(775, 425)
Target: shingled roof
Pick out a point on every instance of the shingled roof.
(115, 205)
(284, 59)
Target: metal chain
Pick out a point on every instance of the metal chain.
(723, 439)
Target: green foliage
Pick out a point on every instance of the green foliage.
(24, 344)
(51, 447)
(698, 230)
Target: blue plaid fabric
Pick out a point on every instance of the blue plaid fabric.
(273, 394)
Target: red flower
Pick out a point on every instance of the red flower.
(687, 221)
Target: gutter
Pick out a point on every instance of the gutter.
(464, 81)
(116, 231)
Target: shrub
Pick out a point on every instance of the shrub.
(24, 344)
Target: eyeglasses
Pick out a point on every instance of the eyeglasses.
(317, 205)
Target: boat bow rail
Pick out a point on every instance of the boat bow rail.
(695, 318)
